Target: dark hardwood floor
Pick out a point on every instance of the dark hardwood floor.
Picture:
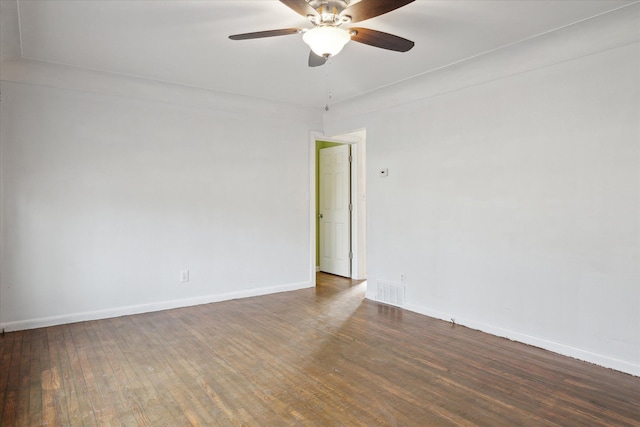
(319, 357)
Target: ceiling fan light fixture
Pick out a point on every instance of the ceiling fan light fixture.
(326, 40)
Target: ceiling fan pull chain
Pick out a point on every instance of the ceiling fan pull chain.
(328, 88)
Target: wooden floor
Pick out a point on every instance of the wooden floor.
(320, 357)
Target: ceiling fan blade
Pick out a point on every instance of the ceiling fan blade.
(316, 60)
(262, 34)
(366, 9)
(300, 6)
(381, 40)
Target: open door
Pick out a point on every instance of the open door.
(335, 210)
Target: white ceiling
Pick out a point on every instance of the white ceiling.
(186, 42)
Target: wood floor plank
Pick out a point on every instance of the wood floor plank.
(39, 350)
(6, 350)
(9, 414)
(313, 357)
(79, 406)
(25, 367)
(88, 365)
(69, 398)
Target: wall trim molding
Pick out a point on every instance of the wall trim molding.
(147, 308)
(69, 78)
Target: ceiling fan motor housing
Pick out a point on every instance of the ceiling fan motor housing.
(329, 12)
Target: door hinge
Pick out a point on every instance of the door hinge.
(350, 158)
(350, 207)
(350, 255)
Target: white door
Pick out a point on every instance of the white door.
(334, 213)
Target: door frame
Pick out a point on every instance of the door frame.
(357, 140)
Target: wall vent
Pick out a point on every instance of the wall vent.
(390, 293)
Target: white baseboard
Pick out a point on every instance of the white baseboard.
(563, 349)
(146, 308)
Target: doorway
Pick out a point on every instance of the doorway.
(356, 141)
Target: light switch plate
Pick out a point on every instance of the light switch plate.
(384, 173)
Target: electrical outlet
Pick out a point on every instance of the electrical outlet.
(184, 276)
(402, 277)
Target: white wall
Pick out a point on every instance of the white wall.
(106, 198)
(513, 203)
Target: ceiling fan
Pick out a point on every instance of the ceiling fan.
(326, 38)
